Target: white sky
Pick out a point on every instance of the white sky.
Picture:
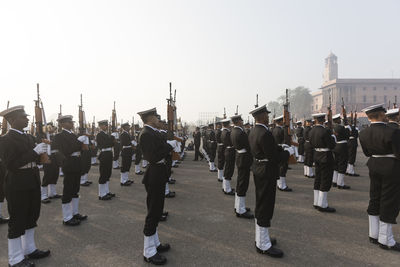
(217, 53)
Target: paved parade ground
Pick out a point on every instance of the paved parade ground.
(203, 230)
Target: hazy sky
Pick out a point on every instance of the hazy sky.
(216, 53)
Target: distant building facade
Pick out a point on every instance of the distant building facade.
(356, 93)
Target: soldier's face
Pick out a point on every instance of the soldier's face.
(104, 127)
(68, 125)
(19, 122)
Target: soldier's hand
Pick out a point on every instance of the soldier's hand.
(40, 148)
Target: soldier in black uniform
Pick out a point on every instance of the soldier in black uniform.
(279, 135)
(229, 154)
(204, 139)
(381, 143)
(167, 137)
(352, 145)
(154, 149)
(392, 116)
(51, 172)
(244, 159)
(300, 140)
(197, 142)
(117, 149)
(138, 152)
(86, 161)
(342, 134)
(105, 143)
(126, 154)
(20, 155)
(308, 151)
(267, 157)
(70, 146)
(212, 146)
(3, 220)
(220, 152)
(323, 143)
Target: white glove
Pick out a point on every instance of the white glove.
(172, 143)
(40, 148)
(348, 127)
(83, 139)
(334, 137)
(93, 142)
(284, 146)
(290, 150)
(133, 142)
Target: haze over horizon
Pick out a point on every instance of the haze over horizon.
(216, 53)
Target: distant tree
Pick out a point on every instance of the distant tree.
(275, 107)
(300, 102)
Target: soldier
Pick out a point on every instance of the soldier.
(197, 142)
(340, 152)
(308, 151)
(267, 158)
(138, 153)
(93, 150)
(154, 149)
(126, 154)
(300, 140)
(51, 172)
(220, 152)
(381, 143)
(20, 156)
(240, 142)
(279, 135)
(86, 161)
(212, 146)
(105, 143)
(3, 220)
(392, 116)
(168, 137)
(229, 155)
(116, 149)
(204, 139)
(323, 143)
(70, 146)
(352, 145)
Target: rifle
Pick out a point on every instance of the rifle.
(224, 113)
(33, 126)
(256, 105)
(330, 113)
(344, 113)
(82, 119)
(237, 110)
(114, 119)
(355, 118)
(395, 102)
(351, 117)
(40, 134)
(170, 110)
(287, 126)
(58, 124)
(4, 124)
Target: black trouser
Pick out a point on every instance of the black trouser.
(213, 151)
(384, 188)
(23, 205)
(138, 156)
(341, 158)
(265, 174)
(283, 168)
(323, 171)
(126, 156)
(105, 158)
(72, 183)
(220, 157)
(308, 155)
(352, 147)
(229, 163)
(197, 152)
(51, 173)
(300, 149)
(168, 163)
(116, 151)
(243, 163)
(155, 177)
(2, 179)
(86, 161)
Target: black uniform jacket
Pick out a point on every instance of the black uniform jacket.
(16, 150)
(126, 140)
(67, 143)
(240, 141)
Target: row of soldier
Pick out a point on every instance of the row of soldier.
(330, 147)
(72, 155)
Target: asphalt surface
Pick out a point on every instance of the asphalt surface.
(203, 230)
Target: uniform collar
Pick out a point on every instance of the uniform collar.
(239, 128)
(154, 129)
(68, 131)
(378, 122)
(263, 125)
(18, 131)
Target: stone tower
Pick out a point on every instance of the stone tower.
(331, 68)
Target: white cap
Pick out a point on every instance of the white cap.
(318, 115)
(394, 111)
(336, 116)
(374, 108)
